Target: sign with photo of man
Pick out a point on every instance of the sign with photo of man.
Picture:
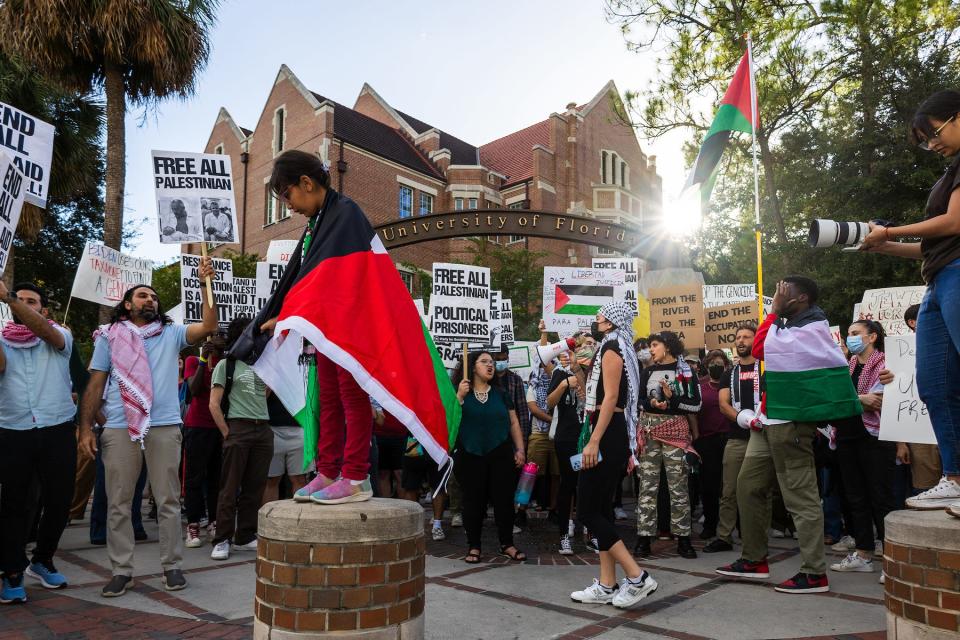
(195, 201)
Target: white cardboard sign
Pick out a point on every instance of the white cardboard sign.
(104, 274)
(887, 306)
(460, 303)
(12, 191)
(572, 296)
(904, 416)
(631, 277)
(281, 250)
(195, 200)
(29, 143)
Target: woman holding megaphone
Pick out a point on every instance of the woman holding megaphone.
(936, 127)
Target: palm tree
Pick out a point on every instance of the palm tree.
(141, 50)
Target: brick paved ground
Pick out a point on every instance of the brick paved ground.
(496, 599)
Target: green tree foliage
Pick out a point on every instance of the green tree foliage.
(838, 83)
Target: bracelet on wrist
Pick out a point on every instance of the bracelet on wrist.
(202, 361)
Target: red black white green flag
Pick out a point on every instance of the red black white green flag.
(735, 114)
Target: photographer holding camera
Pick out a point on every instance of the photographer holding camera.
(936, 127)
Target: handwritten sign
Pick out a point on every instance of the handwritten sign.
(679, 309)
(721, 323)
(887, 306)
(104, 274)
(631, 276)
(281, 250)
(573, 295)
(904, 416)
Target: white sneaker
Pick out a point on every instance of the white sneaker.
(939, 497)
(570, 528)
(594, 594)
(630, 594)
(878, 548)
(854, 562)
(193, 537)
(594, 545)
(438, 533)
(566, 549)
(221, 551)
(620, 514)
(516, 529)
(883, 578)
(456, 520)
(250, 546)
(954, 509)
(846, 543)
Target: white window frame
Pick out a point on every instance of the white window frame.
(515, 239)
(473, 203)
(428, 199)
(458, 204)
(409, 213)
(218, 149)
(269, 207)
(408, 279)
(279, 137)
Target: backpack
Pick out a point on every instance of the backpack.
(227, 386)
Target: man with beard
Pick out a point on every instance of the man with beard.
(739, 393)
(135, 361)
(37, 436)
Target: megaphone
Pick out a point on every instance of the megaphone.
(547, 352)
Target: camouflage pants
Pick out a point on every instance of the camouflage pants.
(654, 454)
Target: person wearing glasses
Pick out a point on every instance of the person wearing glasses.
(935, 126)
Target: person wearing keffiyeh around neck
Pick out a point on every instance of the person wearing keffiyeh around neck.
(134, 375)
(37, 435)
(611, 405)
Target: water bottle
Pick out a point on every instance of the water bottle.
(525, 486)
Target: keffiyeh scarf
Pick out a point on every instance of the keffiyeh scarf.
(868, 380)
(621, 316)
(20, 336)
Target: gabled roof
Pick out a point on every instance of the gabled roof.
(460, 152)
(224, 116)
(372, 135)
(512, 155)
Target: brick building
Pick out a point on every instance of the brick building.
(583, 160)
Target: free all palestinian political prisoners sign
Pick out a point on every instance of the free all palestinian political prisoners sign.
(195, 200)
(12, 190)
(193, 291)
(506, 321)
(460, 303)
(29, 143)
(104, 274)
(573, 295)
(679, 309)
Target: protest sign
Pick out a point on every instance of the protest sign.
(452, 354)
(268, 279)
(904, 416)
(856, 312)
(573, 295)
(105, 274)
(29, 143)
(194, 298)
(506, 321)
(176, 314)
(194, 197)
(460, 303)
(495, 328)
(11, 202)
(836, 335)
(245, 300)
(281, 250)
(678, 309)
(721, 323)
(886, 306)
(631, 276)
(5, 315)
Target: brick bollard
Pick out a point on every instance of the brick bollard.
(921, 559)
(345, 571)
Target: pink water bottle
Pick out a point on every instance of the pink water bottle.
(525, 487)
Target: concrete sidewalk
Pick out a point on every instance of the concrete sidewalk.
(494, 600)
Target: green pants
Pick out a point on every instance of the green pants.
(781, 453)
(733, 454)
(673, 460)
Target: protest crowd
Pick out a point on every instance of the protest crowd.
(781, 431)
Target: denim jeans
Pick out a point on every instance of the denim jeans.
(938, 362)
(98, 511)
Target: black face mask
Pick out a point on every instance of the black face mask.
(716, 370)
(595, 331)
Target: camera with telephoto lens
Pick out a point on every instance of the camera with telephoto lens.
(829, 233)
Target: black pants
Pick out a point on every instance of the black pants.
(201, 484)
(868, 466)
(568, 482)
(711, 449)
(247, 452)
(488, 478)
(597, 486)
(51, 454)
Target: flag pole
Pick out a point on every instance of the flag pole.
(754, 117)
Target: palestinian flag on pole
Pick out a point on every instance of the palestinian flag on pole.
(807, 377)
(581, 300)
(346, 299)
(734, 114)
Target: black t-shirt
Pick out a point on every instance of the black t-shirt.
(939, 252)
(747, 374)
(614, 346)
(568, 420)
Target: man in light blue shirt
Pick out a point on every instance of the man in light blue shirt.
(140, 349)
(37, 436)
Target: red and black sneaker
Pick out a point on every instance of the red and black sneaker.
(804, 583)
(746, 569)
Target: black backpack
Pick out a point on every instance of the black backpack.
(227, 386)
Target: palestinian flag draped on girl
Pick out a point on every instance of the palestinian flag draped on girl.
(346, 299)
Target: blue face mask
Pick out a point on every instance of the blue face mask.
(502, 365)
(855, 344)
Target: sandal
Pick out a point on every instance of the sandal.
(516, 556)
(472, 557)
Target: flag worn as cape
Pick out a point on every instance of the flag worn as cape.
(807, 377)
(734, 114)
(346, 298)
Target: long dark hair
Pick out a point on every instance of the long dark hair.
(121, 313)
(940, 106)
(290, 165)
(234, 330)
(471, 363)
(872, 326)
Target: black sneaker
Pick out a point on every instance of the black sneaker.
(706, 534)
(684, 548)
(173, 580)
(642, 548)
(804, 583)
(117, 586)
(745, 569)
(716, 545)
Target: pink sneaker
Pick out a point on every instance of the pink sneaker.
(317, 484)
(344, 490)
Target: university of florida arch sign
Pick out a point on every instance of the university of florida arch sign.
(518, 222)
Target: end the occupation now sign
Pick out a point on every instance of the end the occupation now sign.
(460, 303)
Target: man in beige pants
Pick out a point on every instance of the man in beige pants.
(137, 355)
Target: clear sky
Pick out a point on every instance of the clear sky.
(476, 70)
